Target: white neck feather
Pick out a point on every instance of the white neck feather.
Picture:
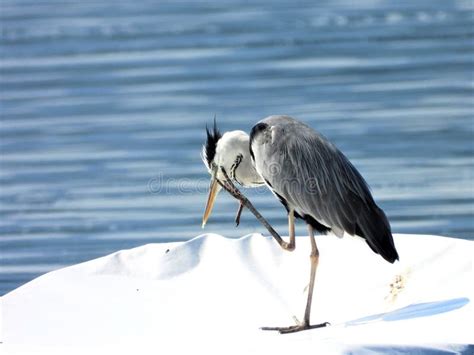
(233, 154)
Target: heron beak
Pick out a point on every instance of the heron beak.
(213, 191)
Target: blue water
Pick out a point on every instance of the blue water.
(103, 107)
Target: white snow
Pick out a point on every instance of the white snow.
(212, 294)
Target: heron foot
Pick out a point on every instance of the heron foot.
(296, 328)
(239, 212)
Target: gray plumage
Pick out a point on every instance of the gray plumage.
(312, 177)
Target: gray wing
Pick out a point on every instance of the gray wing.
(314, 178)
(310, 173)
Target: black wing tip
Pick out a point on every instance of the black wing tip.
(385, 248)
(391, 255)
(212, 137)
(388, 250)
(376, 231)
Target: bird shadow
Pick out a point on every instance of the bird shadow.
(414, 311)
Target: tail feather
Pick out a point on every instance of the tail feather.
(374, 227)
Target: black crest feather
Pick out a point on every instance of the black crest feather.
(209, 149)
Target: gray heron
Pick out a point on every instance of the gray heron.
(309, 175)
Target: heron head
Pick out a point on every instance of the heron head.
(228, 151)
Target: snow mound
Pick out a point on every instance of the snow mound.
(212, 294)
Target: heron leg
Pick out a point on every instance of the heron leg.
(291, 231)
(314, 258)
(234, 191)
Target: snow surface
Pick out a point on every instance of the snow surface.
(211, 295)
